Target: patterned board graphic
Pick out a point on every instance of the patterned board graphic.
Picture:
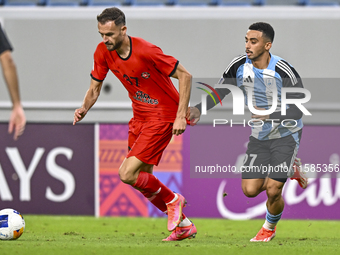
(113, 132)
(111, 154)
(119, 199)
(172, 157)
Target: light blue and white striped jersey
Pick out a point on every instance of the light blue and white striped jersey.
(264, 83)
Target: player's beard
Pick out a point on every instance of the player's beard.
(112, 47)
(254, 57)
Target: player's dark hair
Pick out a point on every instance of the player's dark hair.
(266, 29)
(112, 14)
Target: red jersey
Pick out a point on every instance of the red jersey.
(145, 73)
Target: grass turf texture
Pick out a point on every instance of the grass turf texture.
(88, 235)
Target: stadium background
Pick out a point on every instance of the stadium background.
(73, 170)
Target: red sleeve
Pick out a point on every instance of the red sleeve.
(100, 67)
(164, 63)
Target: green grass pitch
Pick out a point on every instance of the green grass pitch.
(119, 235)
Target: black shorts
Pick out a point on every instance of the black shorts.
(271, 158)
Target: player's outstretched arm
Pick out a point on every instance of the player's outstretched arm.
(184, 82)
(91, 97)
(17, 120)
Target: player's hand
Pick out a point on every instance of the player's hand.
(260, 117)
(79, 114)
(194, 116)
(17, 122)
(179, 126)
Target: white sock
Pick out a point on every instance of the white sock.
(173, 200)
(269, 226)
(184, 223)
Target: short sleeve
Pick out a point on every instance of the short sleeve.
(290, 78)
(164, 63)
(229, 75)
(4, 42)
(100, 67)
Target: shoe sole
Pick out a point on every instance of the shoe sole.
(303, 184)
(192, 236)
(189, 237)
(256, 241)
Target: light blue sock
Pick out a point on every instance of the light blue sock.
(271, 220)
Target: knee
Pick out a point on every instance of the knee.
(250, 191)
(126, 177)
(273, 193)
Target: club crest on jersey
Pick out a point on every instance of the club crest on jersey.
(269, 82)
(145, 75)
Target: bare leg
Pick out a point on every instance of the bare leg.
(253, 187)
(130, 168)
(275, 203)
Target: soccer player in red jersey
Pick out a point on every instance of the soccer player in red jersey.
(159, 111)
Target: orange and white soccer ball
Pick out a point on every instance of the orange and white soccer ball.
(12, 224)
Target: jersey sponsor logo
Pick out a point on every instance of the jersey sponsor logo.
(145, 98)
(145, 75)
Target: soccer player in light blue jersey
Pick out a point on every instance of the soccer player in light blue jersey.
(274, 144)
